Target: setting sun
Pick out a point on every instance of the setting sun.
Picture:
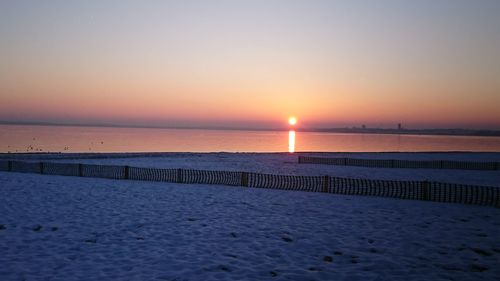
(292, 121)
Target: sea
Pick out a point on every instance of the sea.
(71, 139)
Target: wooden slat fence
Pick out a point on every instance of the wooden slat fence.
(61, 169)
(394, 163)
(4, 165)
(383, 188)
(302, 183)
(25, 167)
(152, 174)
(415, 190)
(102, 171)
(211, 177)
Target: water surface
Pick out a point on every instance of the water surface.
(16, 138)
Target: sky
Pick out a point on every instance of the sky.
(252, 64)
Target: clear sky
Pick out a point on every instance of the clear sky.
(432, 63)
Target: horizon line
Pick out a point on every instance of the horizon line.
(353, 129)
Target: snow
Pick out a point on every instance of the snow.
(68, 228)
(287, 164)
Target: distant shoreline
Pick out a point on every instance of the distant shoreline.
(354, 130)
(422, 132)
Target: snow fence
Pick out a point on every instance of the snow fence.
(394, 163)
(415, 190)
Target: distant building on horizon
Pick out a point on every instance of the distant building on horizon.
(400, 127)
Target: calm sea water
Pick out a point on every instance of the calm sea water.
(15, 138)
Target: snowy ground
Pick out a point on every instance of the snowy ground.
(285, 163)
(67, 228)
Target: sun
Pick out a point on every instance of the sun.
(292, 121)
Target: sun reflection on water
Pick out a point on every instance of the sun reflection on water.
(291, 141)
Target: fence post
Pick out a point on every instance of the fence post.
(326, 184)
(41, 168)
(80, 170)
(179, 176)
(9, 166)
(300, 159)
(244, 178)
(126, 172)
(425, 190)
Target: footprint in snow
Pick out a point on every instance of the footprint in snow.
(481, 252)
(224, 268)
(477, 268)
(37, 228)
(354, 259)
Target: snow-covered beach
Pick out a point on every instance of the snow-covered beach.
(68, 228)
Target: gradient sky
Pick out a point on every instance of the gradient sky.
(429, 63)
